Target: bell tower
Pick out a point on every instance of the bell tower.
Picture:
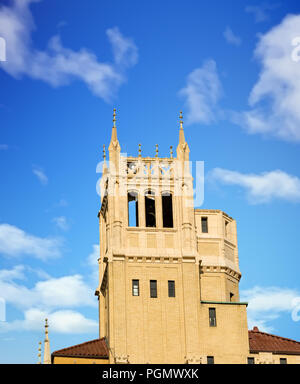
(169, 273)
(149, 270)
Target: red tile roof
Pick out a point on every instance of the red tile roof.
(91, 349)
(265, 342)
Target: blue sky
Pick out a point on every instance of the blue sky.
(233, 70)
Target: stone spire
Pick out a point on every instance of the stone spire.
(114, 148)
(181, 131)
(182, 148)
(114, 143)
(40, 353)
(47, 357)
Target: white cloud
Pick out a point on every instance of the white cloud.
(261, 188)
(12, 274)
(61, 222)
(202, 92)
(63, 292)
(261, 12)
(40, 174)
(61, 321)
(58, 65)
(267, 304)
(16, 242)
(274, 99)
(231, 38)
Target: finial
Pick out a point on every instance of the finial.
(171, 152)
(114, 119)
(156, 150)
(104, 152)
(40, 353)
(180, 119)
(47, 356)
(140, 150)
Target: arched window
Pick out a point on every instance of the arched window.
(150, 209)
(133, 209)
(167, 210)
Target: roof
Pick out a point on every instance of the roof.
(90, 349)
(265, 342)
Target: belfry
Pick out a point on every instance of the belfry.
(168, 273)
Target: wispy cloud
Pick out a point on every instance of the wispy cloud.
(51, 293)
(3, 147)
(54, 298)
(261, 188)
(61, 222)
(231, 38)
(202, 93)
(16, 242)
(261, 12)
(61, 321)
(58, 65)
(274, 99)
(267, 304)
(40, 174)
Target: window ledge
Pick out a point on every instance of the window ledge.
(224, 302)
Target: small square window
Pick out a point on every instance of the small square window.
(171, 288)
(210, 360)
(135, 288)
(283, 361)
(251, 360)
(204, 225)
(212, 317)
(153, 288)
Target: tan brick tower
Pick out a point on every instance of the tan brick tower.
(167, 271)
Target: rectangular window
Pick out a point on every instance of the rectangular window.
(153, 288)
(135, 288)
(171, 288)
(250, 360)
(212, 317)
(210, 360)
(167, 210)
(204, 224)
(226, 228)
(283, 361)
(133, 210)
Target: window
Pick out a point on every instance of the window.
(251, 360)
(135, 288)
(167, 210)
(226, 228)
(150, 209)
(133, 210)
(171, 288)
(204, 225)
(231, 295)
(283, 361)
(212, 317)
(153, 288)
(210, 360)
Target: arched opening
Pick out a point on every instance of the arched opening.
(150, 209)
(167, 210)
(133, 209)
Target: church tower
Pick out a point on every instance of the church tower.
(169, 273)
